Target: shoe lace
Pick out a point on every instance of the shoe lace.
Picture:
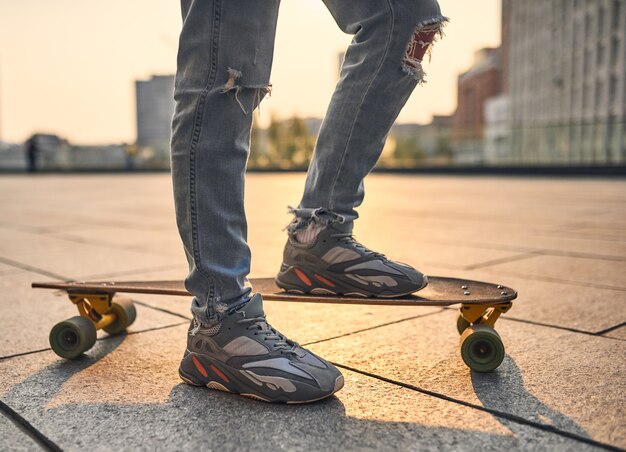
(350, 239)
(264, 329)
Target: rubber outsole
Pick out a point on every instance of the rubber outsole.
(300, 280)
(212, 384)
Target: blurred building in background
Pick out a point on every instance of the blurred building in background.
(475, 86)
(564, 76)
(155, 108)
(420, 144)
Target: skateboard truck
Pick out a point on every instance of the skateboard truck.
(96, 307)
(98, 311)
(482, 314)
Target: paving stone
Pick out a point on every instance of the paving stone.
(130, 387)
(495, 199)
(549, 376)
(38, 220)
(414, 237)
(519, 214)
(29, 314)
(69, 259)
(611, 232)
(163, 242)
(540, 243)
(14, 439)
(594, 272)
(91, 199)
(484, 234)
(9, 269)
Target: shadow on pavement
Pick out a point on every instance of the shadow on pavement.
(194, 417)
(504, 391)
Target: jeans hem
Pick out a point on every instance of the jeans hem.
(320, 216)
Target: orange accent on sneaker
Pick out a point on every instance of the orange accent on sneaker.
(324, 280)
(304, 278)
(201, 369)
(219, 373)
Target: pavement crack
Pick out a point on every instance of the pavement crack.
(30, 268)
(559, 327)
(113, 245)
(25, 426)
(493, 412)
(609, 329)
(538, 251)
(503, 260)
(30, 352)
(558, 280)
(105, 338)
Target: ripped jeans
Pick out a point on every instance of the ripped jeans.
(224, 61)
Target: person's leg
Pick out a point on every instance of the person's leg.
(376, 80)
(382, 66)
(224, 61)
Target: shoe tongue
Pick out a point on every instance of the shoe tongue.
(254, 307)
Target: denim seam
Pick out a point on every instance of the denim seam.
(197, 130)
(345, 150)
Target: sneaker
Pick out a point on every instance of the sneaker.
(334, 263)
(244, 355)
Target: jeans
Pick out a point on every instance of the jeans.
(224, 61)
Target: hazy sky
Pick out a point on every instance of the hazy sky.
(67, 66)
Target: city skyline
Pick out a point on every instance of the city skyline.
(65, 75)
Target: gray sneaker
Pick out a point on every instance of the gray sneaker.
(244, 355)
(336, 264)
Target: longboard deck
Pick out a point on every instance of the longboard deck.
(441, 291)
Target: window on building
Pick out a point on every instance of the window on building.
(613, 88)
(601, 19)
(614, 49)
(599, 94)
(600, 53)
(617, 14)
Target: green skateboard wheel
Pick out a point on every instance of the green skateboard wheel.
(462, 324)
(72, 337)
(481, 348)
(124, 310)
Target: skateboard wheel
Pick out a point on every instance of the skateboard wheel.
(462, 324)
(72, 337)
(481, 348)
(124, 310)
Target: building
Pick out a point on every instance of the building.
(481, 82)
(155, 108)
(497, 135)
(565, 80)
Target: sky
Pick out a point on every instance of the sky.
(68, 66)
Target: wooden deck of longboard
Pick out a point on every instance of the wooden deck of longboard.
(441, 291)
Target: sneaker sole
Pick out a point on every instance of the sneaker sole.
(302, 281)
(215, 373)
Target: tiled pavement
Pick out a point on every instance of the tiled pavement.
(560, 242)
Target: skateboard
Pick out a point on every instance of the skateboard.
(99, 306)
